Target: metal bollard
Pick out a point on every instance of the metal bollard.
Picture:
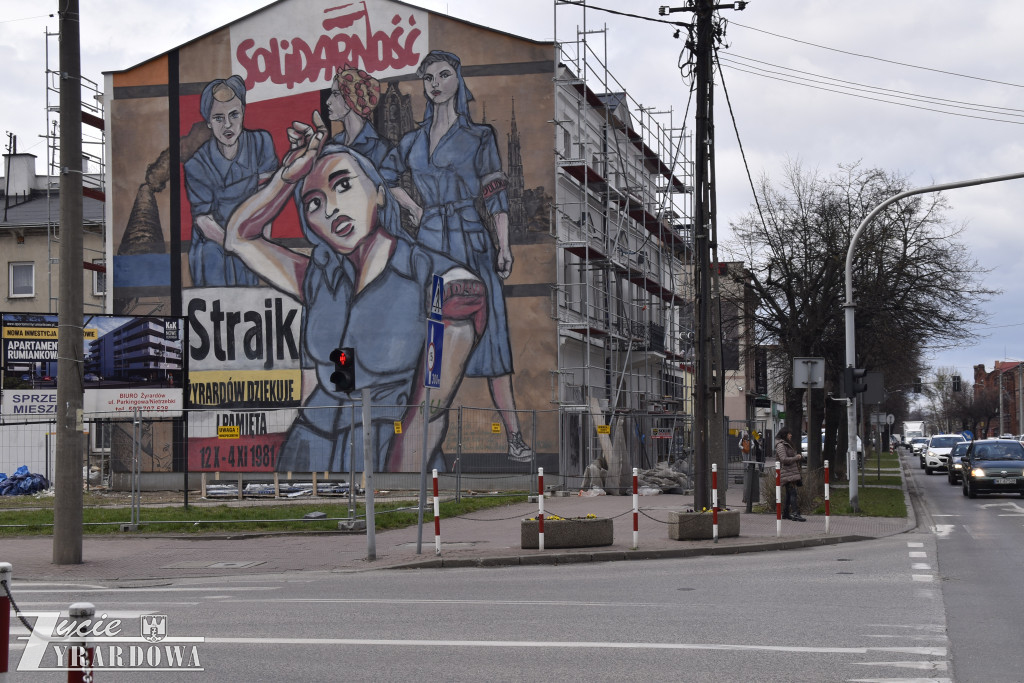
(80, 657)
(5, 618)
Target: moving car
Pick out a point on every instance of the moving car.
(936, 453)
(954, 467)
(993, 466)
(917, 445)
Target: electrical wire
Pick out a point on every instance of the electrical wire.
(878, 59)
(876, 99)
(731, 58)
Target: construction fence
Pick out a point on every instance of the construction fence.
(472, 448)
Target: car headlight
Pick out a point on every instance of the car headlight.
(957, 466)
(977, 472)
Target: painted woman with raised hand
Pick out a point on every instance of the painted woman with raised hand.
(365, 286)
(454, 164)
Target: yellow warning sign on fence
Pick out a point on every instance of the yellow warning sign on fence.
(604, 429)
(495, 428)
(398, 427)
(228, 432)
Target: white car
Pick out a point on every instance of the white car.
(803, 445)
(936, 453)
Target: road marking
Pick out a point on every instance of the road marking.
(920, 565)
(901, 680)
(918, 554)
(262, 640)
(922, 577)
(943, 530)
(945, 515)
(922, 666)
(911, 544)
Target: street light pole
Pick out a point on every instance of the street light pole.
(851, 355)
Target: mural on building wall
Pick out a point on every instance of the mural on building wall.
(315, 207)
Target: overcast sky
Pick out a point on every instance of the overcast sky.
(968, 55)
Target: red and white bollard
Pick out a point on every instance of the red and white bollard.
(828, 509)
(778, 499)
(714, 502)
(80, 657)
(636, 511)
(540, 509)
(437, 518)
(5, 617)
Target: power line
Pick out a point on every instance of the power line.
(877, 59)
(876, 99)
(853, 85)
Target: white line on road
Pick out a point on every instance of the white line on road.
(914, 544)
(922, 577)
(920, 651)
(918, 554)
(923, 665)
(920, 565)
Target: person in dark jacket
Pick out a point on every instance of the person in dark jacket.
(789, 475)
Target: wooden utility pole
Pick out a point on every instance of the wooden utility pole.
(67, 504)
(709, 397)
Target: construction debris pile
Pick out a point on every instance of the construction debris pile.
(22, 483)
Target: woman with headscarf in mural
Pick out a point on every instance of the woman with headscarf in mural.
(454, 163)
(354, 96)
(227, 169)
(365, 285)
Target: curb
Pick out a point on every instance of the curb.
(621, 555)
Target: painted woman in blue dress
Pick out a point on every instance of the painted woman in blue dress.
(354, 96)
(367, 286)
(227, 169)
(454, 163)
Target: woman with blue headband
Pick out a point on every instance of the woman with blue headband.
(222, 173)
(454, 164)
(365, 285)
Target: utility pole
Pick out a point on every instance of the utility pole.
(709, 397)
(67, 505)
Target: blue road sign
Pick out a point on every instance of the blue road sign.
(435, 345)
(436, 297)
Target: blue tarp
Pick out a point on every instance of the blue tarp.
(22, 483)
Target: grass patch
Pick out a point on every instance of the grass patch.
(873, 502)
(871, 479)
(199, 519)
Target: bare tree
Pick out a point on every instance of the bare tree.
(916, 286)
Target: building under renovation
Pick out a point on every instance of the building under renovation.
(523, 163)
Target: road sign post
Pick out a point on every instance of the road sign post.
(432, 353)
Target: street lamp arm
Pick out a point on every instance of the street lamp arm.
(903, 195)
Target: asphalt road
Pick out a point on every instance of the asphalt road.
(836, 613)
(980, 555)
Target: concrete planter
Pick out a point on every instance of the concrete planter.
(568, 533)
(695, 526)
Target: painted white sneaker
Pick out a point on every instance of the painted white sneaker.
(518, 450)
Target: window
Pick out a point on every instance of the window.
(99, 280)
(22, 279)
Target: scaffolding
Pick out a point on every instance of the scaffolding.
(623, 228)
(93, 165)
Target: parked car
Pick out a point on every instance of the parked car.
(936, 453)
(993, 466)
(91, 377)
(954, 468)
(803, 446)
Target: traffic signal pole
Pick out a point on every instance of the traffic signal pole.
(851, 354)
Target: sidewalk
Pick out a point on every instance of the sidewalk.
(484, 538)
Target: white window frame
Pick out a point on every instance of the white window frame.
(10, 279)
(97, 277)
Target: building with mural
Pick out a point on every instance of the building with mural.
(293, 182)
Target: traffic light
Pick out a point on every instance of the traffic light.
(344, 375)
(853, 381)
